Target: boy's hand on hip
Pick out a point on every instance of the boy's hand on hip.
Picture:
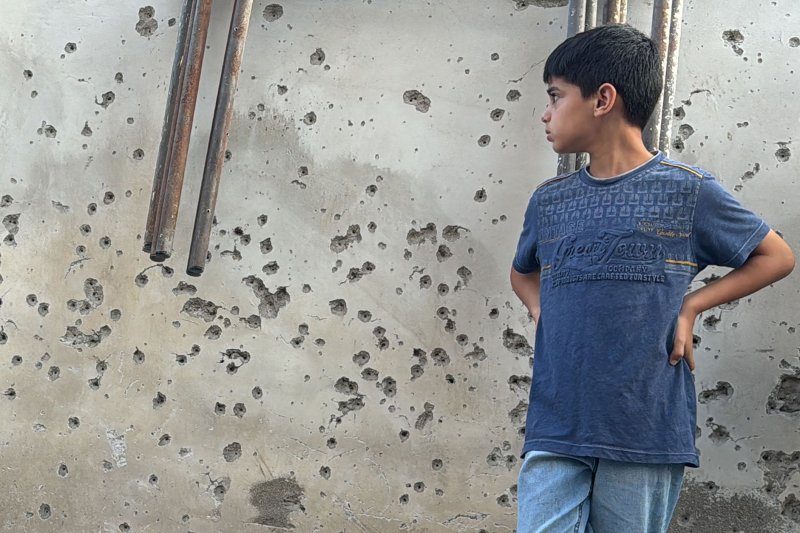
(683, 346)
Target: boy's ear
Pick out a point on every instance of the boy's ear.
(605, 99)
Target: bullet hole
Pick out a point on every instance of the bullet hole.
(519, 383)
(417, 371)
(62, 471)
(257, 393)
(443, 313)
(104, 242)
(152, 480)
(734, 38)
(16, 360)
(719, 433)
(338, 307)
(503, 501)
(379, 332)
(371, 190)
(342, 242)
(27, 74)
(443, 253)
(711, 321)
(297, 342)
(184, 288)
(108, 198)
(371, 227)
(54, 373)
(270, 268)
(425, 417)
(484, 140)
(282, 89)
(91, 209)
(118, 77)
(147, 25)
(421, 102)
(159, 400)
(219, 409)
(404, 434)
(406, 253)
(325, 472)
(440, 357)
(388, 386)
(239, 410)
(513, 95)
(685, 131)
(497, 114)
(361, 358)
(318, 57)
(783, 153)
(465, 274)
(452, 233)
(516, 343)
(213, 332)
(234, 356)
(181, 359)
(425, 282)
(310, 118)
(722, 391)
(70, 47)
(419, 486)
(76, 338)
(346, 386)
(165, 439)
(73, 422)
(477, 353)
(404, 499)
(138, 154)
(517, 414)
(199, 308)
(353, 404)
(31, 300)
(480, 195)
(6, 200)
(443, 289)
(105, 100)
(44, 511)
(107, 466)
(94, 383)
(138, 356)
(369, 374)
(252, 321)
(785, 397)
(85, 230)
(273, 12)
(364, 315)
(10, 393)
(219, 492)
(428, 233)
(331, 443)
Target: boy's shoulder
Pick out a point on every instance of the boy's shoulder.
(557, 179)
(689, 171)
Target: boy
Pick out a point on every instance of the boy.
(603, 264)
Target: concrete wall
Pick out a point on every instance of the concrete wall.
(353, 358)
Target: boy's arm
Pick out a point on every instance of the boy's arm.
(770, 261)
(526, 287)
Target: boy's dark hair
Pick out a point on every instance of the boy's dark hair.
(617, 54)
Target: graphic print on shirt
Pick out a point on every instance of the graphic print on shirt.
(636, 231)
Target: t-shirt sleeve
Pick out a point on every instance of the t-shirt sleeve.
(525, 260)
(724, 233)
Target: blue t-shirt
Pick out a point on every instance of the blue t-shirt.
(616, 258)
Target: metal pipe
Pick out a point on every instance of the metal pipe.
(671, 75)
(218, 140)
(576, 21)
(660, 31)
(164, 228)
(614, 13)
(591, 14)
(170, 113)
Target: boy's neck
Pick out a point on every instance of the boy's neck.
(618, 154)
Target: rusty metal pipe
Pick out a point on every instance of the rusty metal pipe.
(170, 113)
(218, 141)
(670, 75)
(164, 229)
(615, 12)
(660, 29)
(576, 20)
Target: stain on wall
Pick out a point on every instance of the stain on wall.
(353, 356)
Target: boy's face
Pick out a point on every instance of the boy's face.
(568, 117)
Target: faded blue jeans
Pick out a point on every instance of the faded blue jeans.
(565, 494)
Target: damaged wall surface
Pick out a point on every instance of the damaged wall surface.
(353, 358)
